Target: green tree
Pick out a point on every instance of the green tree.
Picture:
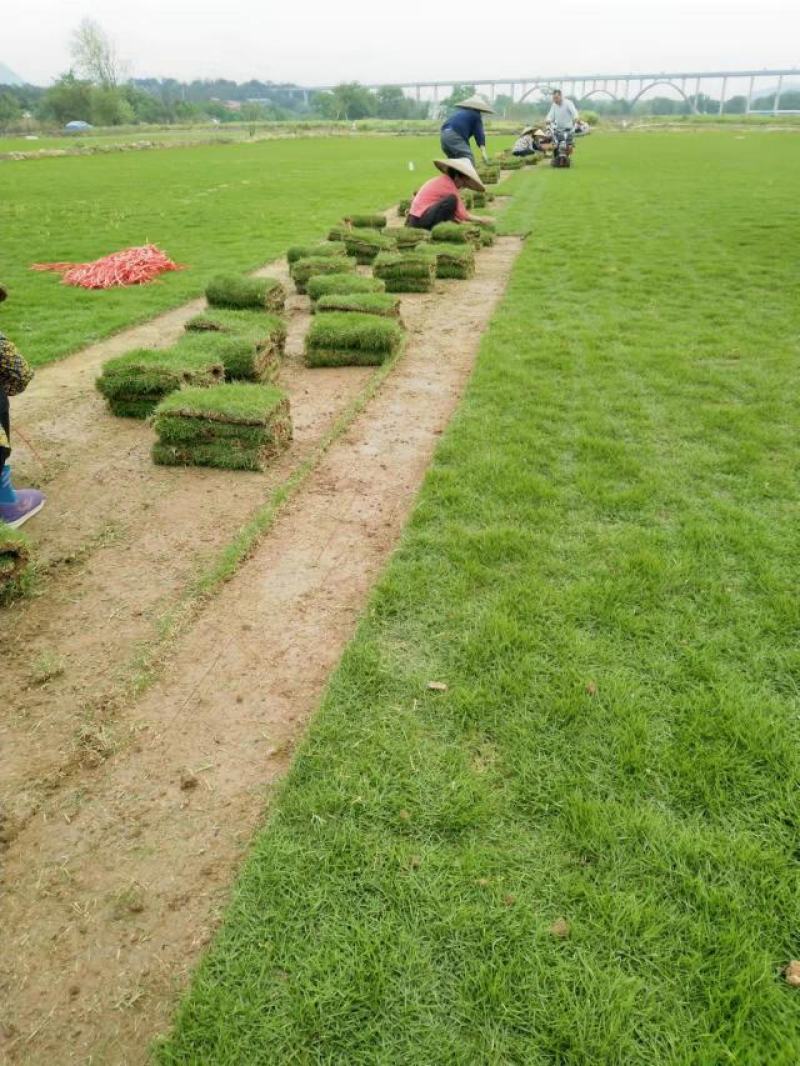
(94, 55)
(70, 99)
(109, 107)
(10, 111)
(459, 93)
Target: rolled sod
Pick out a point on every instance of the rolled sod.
(254, 341)
(365, 221)
(489, 175)
(342, 339)
(365, 244)
(403, 207)
(454, 260)
(303, 270)
(410, 236)
(467, 198)
(512, 162)
(335, 284)
(240, 426)
(531, 160)
(369, 303)
(479, 199)
(337, 233)
(239, 291)
(134, 383)
(304, 251)
(410, 271)
(457, 233)
(14, 558)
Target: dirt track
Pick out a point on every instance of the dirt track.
(126, 821)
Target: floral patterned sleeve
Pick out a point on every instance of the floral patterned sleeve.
(15, 374)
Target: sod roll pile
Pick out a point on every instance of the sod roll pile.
(479, 199)
(489, 173)
(14, 558)
(249, 343)
(512, 162)
(454, 260)
(133, 384)
(410, 236)
(369, 303)
(335, 284)
(457, 233)
(303, 270)
(411, 271)
(241, 426)
(403, 207)
(239, 291)
(365, 244)
(304, 251)
(350, 339)
(531, 160)
(365, 221)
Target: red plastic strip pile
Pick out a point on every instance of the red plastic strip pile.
(132, 266)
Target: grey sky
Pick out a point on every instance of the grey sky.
(322, 41)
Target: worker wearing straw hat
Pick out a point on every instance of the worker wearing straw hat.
(464, 125)
(16, 505)
(525, 144)
(439, 198)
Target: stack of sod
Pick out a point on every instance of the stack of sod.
(14, 558)
(238, 291)
(303, 270)
(453, 260)
(512, 162)
(457, 233)
(530, 160)
(365, 221)
(410, 236)
(241, 426)
(411, 271)
(365, 244)
(304, 251)
(489, 173)
(249, 343)
(479, 199)
(403, 207)
(369, 303)
(467, 198)
(351, 339)
(337, 233)
(134, 383)
(337, 284)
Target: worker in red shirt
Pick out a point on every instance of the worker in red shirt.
(439, 199)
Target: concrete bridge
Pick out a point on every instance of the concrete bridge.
(630, 87)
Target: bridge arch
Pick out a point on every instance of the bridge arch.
(594, 92)
(669, 84)
(538, 87)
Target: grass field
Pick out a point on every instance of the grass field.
(600, 568)
(214, 208)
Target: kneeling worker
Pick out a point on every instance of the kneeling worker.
(439, 201)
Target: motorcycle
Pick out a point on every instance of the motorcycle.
(563, 147)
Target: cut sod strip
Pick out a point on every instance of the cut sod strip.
(250, 343)
(489, 173)
(411, 271)
(134, 383)
(304, 251)
(335, 284)
(14, 558)
(365, 221)
(303, 270)
(238, 291)
(239, 426)
(370, 303)
(341, 339)
(403, 207)
(365, 244)
(457, 233)
(410, 236)
(453, 260)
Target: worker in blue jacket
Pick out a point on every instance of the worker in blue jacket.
(463, 125)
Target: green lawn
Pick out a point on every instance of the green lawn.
(211, 208)
(602, 568)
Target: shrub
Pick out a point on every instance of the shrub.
(238, 291)
(240, 426)
(326, 285)
(351, 339)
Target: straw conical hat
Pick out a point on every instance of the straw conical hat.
(528, 129)
(475, 103)
(463, 166)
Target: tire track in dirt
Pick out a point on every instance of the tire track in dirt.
(114, 884)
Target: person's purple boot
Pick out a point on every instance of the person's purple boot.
(17, 505)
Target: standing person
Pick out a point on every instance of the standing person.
(439, 201)
(16, 505)
(563, 114)
(464, 124)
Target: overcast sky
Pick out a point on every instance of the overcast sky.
(323, 41)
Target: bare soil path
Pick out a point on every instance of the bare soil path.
(125, 822)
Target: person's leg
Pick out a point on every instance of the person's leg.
(5, 422)
(455, 147)
(16, 505)
(443, 210)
